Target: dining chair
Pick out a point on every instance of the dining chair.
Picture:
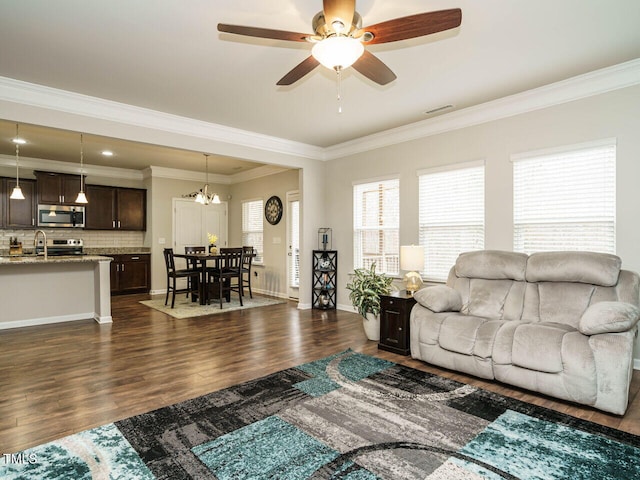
(174, 274)
(247, 260)
(192, 264)
(230, 268)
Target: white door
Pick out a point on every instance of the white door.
(293, 242)
(192, 221)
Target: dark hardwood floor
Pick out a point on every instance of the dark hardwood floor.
(61, 379)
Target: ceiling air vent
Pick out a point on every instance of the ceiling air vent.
(438, 109)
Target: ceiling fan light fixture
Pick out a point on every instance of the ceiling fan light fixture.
(338, 52)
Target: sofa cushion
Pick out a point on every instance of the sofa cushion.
(492, 265)
(538, 346)
(468, 335)
(583, 267)
(439, 298)
(608, 317)
(487, 297)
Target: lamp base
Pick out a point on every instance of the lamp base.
(413, 282)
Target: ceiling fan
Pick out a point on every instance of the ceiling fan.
(339, 38)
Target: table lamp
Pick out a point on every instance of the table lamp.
(412, 259)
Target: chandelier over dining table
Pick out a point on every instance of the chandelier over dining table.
(204, 196)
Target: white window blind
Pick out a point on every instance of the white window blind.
(451, 217)
(376, 212)
(566, 201)
(252, 227)
(294, 235)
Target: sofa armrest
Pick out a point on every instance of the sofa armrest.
(439, 298)
(609, 317)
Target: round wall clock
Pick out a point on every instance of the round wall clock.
(273, 210)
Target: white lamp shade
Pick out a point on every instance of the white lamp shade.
(412, 257)
(340, 52)
(17, 194)
(81, 198)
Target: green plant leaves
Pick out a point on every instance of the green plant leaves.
(366, 288)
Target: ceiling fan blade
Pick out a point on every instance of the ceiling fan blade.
(263, 32)
(299, 71)
(373, 68)
(342, 10)
(414, 26)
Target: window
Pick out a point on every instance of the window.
(252, 227)
(565, 200)
(294, 245)
(451, 218)
(376, 211)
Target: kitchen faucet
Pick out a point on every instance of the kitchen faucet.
(35, 241)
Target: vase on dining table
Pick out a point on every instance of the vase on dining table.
(213, 249)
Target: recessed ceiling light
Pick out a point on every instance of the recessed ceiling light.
(107, 153)
(20, 141)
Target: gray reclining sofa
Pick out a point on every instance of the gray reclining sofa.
(559, 323)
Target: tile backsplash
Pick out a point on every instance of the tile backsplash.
(91, 238)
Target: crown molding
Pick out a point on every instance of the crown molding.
(70, 168)
(593, 83)
(597, 82)
(34, 95)
(258, 172)
(177, 174)
(174, 173)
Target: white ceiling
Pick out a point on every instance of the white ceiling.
(168, 57)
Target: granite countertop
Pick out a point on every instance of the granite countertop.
(117, 250)
(39, 259)
(91, 251)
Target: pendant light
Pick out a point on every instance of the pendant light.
(17, 194)
(81, 198)
(203, 196)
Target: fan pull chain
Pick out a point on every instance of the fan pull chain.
(339, 87)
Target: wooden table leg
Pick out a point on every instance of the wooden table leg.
(203, 288)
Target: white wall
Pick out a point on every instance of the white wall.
(272, 274)
(162, 191)
(609, 115)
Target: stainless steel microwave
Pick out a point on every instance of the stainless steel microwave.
(66, 216)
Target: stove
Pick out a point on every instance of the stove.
(61, 246)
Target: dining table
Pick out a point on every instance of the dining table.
(206, 290)
(202, 260)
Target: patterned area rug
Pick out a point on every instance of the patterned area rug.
(185, 308)
(347, 416)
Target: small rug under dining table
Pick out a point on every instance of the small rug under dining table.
(348, 416)
(185, 308)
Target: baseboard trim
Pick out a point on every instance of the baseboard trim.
(636, 363)
(48, 320)
(103, 319)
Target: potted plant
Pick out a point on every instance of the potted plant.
(365, 290)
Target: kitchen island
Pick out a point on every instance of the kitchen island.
(37, 291)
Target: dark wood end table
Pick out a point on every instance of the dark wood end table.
(395, 309)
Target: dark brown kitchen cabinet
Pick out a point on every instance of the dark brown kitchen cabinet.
(130, 273)
(57, 188)
(17, 213)
(115, 208)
